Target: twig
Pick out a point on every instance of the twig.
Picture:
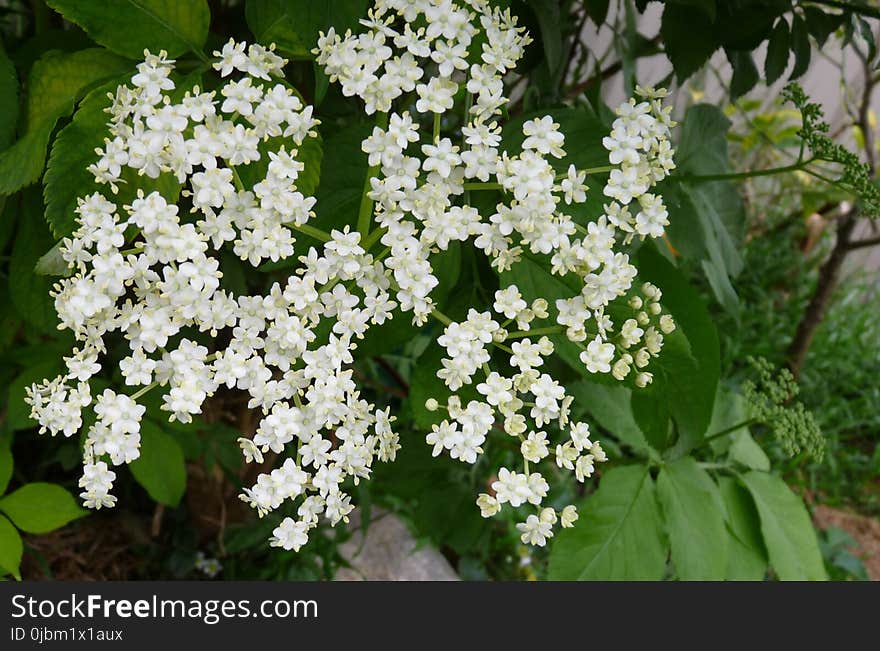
(861, 244)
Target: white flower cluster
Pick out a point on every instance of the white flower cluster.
(420, 191)
(148, 271)
(151, 272)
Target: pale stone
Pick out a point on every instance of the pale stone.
(390, 553)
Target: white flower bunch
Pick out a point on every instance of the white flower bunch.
(150, 270)
(422, 56)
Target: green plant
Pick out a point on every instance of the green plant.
(359, 207)
(34, 508)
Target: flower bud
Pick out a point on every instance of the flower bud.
(667, 324)
(644, 379)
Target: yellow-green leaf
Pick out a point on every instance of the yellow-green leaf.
(618, 536)
(786, 527)
(694, 515)
(40, 507)
(10, 548)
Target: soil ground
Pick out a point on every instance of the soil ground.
(864, 530)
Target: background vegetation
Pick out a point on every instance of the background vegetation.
(769, 256)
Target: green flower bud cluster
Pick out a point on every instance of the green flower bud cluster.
(770, 401)
(855, 176)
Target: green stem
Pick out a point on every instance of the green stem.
(479, 185)
(602, 169)
(383, 254)
(442, 318)
(236, 179)
(368, 242)
(732, 176)
(141, 392)
(365, 214)
(311, 231)
(549, 330)
(436, 133)
(714, 466)
(727, 431)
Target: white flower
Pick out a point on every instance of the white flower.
(489, 506)
(597, 356)
(569, 516)
(584, 467)
(290, 534)
(535, 531)
(534, 448)
(580, 436)
(573, 186)
(543, 136)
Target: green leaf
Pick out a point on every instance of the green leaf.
(610, 407)
(702, 145)
(293, 25)
(866, 31)
(800, 45)
(6, 463)
(694, 515)
(343, 170)
(699, 231)
(820, 24)
(786, 527)
(720, 244)
(747, 557)
(56, 82)
(618, 536)
(67, 177)
(8, 99)
(690, 377)
(707, 220)
(52, 263)
(30, 292)
(730, 409)
(583, 137)
(22, 163)
(41, 507)
(160, 469)
(745, 450)
(597, 10)
(649, 405)
(10, 548)
(689, 37)
(706, 6)
(547, 13)
(778, 52)
(128, 27)
(745, 74)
